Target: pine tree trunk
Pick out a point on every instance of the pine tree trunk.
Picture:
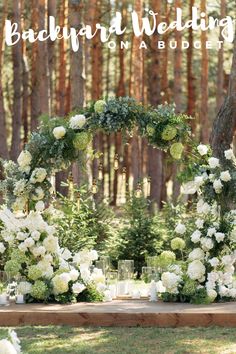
(52, 11)
(220, 67)
(17, 85)
(204, 85)
(224, 127)
(191, 109)
(3, 133)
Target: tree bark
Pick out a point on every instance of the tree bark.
(220, 67)
(225, 123)
(3, 133)
(17, 85)
(191, 108)
(52, 11)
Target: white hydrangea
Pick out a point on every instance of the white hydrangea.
(19, 187)
(78, 121)
(213, 162)
(22, 247)
(189, 188)
(207, 243)
(196, 236)
(196, 270)
(180, 229)
(212, 294)
(197, 253)
(59, 132)
(24, 287)
(29, 242)
(38, 175)
(66, 254)
(199, 223)
(223, 291)
(203, 207)
(38, 194)
(225, 176)
(219, 236)
(211, 231)
(24, 159)
(199, 181)
(202, 149)
(77, 288)
(74, 274)
(171, 281)
(60, 283)
(35, 235)
(85, 273)
(227, 260)
(217, 185)
(51, 244)
(40, 206)
(38, 251)
(229, 154)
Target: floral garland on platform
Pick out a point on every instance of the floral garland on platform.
(207, 273)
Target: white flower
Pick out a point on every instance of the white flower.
(74, 274)
(77, 121)
(217, 185)
(97, 276)
(171, 281)
(233, 235)
(24, 288)
(203, 207)
(93, 255)
(227, 260)
(214, 262)
(213, 162)
(38, 194)
(160, 288)
(51, 244)
(60, 283)
(7, 347)
(29, 242)
(212, 294)
(85, 273)
(197, 253)
(22, 247)
(59, 132)
(212, 177)
(199, 223)
(15, 341)
(196, 270)
(66, 254)
(211, 231)
(35, 235)
(219, 236)
(77, 288)
(229, 154)
(223, 291)
(20, 187)
(189, 188)
(180, 229)
(39, 251)
(40, 206)
(175, 268)
(207, 243)
(196, 236)
(2, 248)
(232, 293)
(202, 149)
(38, 175)
(199, 181)
(24, 159)
(21, 236)
(225, 176)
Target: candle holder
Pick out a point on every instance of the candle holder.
(20, 291)
(112, 282)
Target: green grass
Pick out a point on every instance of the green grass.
(65, 340)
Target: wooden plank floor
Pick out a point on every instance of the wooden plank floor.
(121, 313)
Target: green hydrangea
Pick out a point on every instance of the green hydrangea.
(82, 140)
(150, 129)
(176, 150)
(189, 288)
(19, 256)
(99, 106)
(34, 272)
(178, 244)
(166, 258)
(39, 290)
(169, 133)
(13, 267)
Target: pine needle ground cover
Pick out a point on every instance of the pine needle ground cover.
(67, 340)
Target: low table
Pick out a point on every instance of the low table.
(120, 313)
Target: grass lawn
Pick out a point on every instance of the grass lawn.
(65, 340)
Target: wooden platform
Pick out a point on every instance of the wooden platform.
(121, 313)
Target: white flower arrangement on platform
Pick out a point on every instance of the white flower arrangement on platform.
(10, 345)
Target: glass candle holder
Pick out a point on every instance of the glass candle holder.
(149, 274)
(112, 282)
(20, 291)
(4, 301)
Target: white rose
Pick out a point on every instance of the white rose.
(223, 291)
(229, 154)
(51, 244)
(93, 255)
(74, 274)
(38, 175)
(38, 194)
(217, 185)
(214, 262)
(22, 247)
(213, 162)
(232, 293)
(189, 188)
(196, 236)
(29, 242)
(35, 235)
(199, 181)
(227, 260)
(211, 231)
(203, 207)
(59, 132)
(66, 254)
(2, 248)
(207, 243)
(225, 176)
(202, 149)
(24, 159)
(77, 121)
(40, 206)
(219, 236)
(180, 229)
(77, 288)
(21, 236)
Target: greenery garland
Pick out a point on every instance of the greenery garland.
(59, 141)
